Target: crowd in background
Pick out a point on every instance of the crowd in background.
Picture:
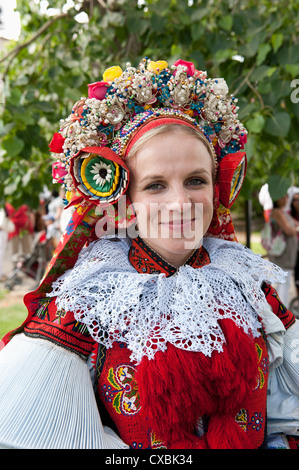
(22, 229)
(283, 217)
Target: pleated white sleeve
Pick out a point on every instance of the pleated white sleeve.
(283, 385)
(47, 399)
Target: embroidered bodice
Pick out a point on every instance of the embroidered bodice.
(145, 260)
(136, 385)
(126, 293)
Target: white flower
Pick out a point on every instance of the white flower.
(129, 403)
(219, 87)
(102, 173)
(124, 374)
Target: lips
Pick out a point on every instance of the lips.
(179, 224)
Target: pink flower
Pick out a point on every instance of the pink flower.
(189, 65)
(97, 90)
(56, 144)
(217, 150)
(243, 140)
(58, 172)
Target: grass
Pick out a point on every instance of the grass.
(255, 244)
(11, 317)
(257, 248)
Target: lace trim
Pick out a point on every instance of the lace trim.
(146, 311)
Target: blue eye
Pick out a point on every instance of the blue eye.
(196, 182)
(154, 187)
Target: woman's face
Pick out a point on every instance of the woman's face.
(172, 193)
(295, 203)
(282, 202)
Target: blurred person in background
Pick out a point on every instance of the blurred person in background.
(22, 236)
(6, 226)
(293, 206)
(282, 221)
(266, 202)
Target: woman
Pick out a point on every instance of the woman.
(281, 221)
(166, 317)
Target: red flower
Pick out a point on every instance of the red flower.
(189, 65)
(56, 144)
(97, 90)
(200, 74)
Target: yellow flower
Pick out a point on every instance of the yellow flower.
(113, 72)
(157, 66)
(189, 111)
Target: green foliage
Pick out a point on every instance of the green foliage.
(57, 56)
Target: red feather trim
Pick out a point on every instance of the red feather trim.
(225, 433)
(177, 387)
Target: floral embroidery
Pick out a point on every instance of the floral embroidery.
(242, 418)
(263, 367)
(122, 391)
(61, 313)
(156, 443)
(134, 445)
(256, 421)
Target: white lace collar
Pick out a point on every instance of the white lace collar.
(146, 311)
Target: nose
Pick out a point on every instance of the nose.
(178, 198)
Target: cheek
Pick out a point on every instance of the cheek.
(206, 197)
(208, 207)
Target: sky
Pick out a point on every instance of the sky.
(11, 25)
(10, 20)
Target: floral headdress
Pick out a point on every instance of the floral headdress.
(90, 148)
(91, 142)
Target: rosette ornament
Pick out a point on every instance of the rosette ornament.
(99, 175)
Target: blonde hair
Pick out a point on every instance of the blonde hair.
(170, 128)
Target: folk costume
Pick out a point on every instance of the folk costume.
(122, 350)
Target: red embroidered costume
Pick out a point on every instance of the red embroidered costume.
(196, 357)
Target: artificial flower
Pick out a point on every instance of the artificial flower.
(220, 87)
(111, 73)
(102, 173)
(189, 65)
(97, 90)
(56, 144)
(200, 74)
(243, 140)
(157, 66)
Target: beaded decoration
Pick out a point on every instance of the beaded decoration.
(122, 102)
(123, 137)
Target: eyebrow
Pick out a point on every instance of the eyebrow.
(199, 171)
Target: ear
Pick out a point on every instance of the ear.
(230, 176)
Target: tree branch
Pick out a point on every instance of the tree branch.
(236, 91)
